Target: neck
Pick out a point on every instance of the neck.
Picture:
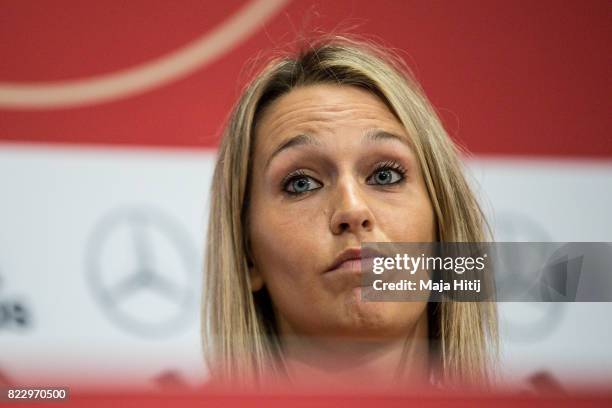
(349, 363)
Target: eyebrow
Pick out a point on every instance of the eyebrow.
(371, 136)
(376, 135)
(295, 141)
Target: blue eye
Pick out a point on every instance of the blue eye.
(387, 173)
(298, 183)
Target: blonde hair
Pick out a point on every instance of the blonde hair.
(239, 338)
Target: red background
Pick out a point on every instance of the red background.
(508, 77)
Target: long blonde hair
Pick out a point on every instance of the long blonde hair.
(238, 329)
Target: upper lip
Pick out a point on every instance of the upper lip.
(350, 253)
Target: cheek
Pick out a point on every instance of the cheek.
(286, 254)
(284, 245)
(409, 220)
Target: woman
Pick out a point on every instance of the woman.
(327, 149)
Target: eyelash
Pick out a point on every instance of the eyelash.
(386, 165)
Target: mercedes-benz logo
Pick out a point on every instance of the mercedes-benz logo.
(526, 321)
(143, 271)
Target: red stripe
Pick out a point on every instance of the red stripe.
(510, 78)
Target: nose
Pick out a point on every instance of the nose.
(351, 212)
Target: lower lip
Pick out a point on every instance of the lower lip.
(354, 265)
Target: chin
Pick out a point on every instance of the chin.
(379, 320)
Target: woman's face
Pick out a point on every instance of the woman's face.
(332, 168)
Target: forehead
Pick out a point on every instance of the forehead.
(323, 108)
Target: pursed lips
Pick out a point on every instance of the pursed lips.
(352, 264)
(355, 268)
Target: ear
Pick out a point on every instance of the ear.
(255, 278)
